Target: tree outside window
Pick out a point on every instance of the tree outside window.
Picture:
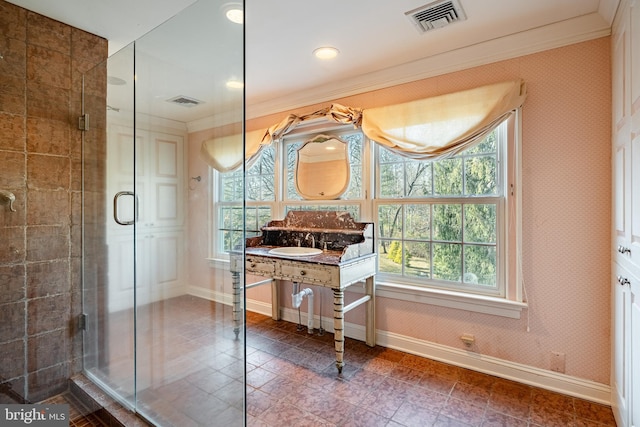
(438, 220)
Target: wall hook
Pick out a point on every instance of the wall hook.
(8, 197)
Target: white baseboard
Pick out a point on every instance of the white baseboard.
(211, 295)
(549, 380)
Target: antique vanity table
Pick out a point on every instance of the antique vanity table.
(344, 256)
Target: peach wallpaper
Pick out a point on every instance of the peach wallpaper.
(566, 214)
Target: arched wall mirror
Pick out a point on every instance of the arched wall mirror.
(322, 168)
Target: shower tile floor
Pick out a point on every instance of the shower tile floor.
(194, 377)
(79, 416)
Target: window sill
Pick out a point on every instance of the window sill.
(218, 263)
(463, 301)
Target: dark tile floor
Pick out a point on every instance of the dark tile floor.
(292, 381)
(194, 375)
(79, 416)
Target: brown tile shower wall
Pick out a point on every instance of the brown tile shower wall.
(41, 67)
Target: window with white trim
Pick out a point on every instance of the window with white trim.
(260, 190)
(268, 196)
(441, 224)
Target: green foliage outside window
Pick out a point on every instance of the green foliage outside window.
(439, 219)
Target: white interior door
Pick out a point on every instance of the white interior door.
(146, 219)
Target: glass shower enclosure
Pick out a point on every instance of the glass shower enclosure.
(160, 348)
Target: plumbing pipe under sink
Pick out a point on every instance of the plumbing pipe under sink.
(296, 300)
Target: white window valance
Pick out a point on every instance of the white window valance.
(226, 153)
(443, 125)
(424, 129)
(336, 113)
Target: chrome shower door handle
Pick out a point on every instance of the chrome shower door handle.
(115, 207)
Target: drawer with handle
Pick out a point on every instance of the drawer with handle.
(259, 265)
(308, 273)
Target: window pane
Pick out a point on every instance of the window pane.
(488, 145)
(447, 223)
(387, 156)
(292, 194)
(417, 220)
(255, 218)
(390, 256)
(253, 188)
(430, 224)
(390, 221)
(355, 148)
(292, 150)
(232, 228)
(355, 184)
(392, 180)
(267, 161)
(232, 187)
(231, 218)
(290, 185)
(480, 223)
(264, 215)
(480, 175)
(447, 261)
(225, 217)
(447, 175)
(417, 259)
(251, 219)
(226, 241)
(418, 179)
(268, 188)
(480, 265)
(259, 184)
(235, 240)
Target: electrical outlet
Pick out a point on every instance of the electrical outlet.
(557, 362)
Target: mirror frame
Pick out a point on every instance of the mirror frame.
(321, 139)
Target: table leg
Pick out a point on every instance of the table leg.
(370, 288)
(338, 327)
(275, 300)
(237, 311)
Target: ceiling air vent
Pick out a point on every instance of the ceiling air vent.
(436, 15)
(185, 101)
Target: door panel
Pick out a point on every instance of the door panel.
(621, 334)
(108, 252)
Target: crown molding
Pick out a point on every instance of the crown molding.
(576, 30)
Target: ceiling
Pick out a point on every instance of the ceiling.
(379, 46)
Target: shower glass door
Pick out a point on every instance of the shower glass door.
(159, 337)
(108, 341)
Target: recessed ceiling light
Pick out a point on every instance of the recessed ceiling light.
(326, 52)
(234, 84)
(233, 12)
(235, 16)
